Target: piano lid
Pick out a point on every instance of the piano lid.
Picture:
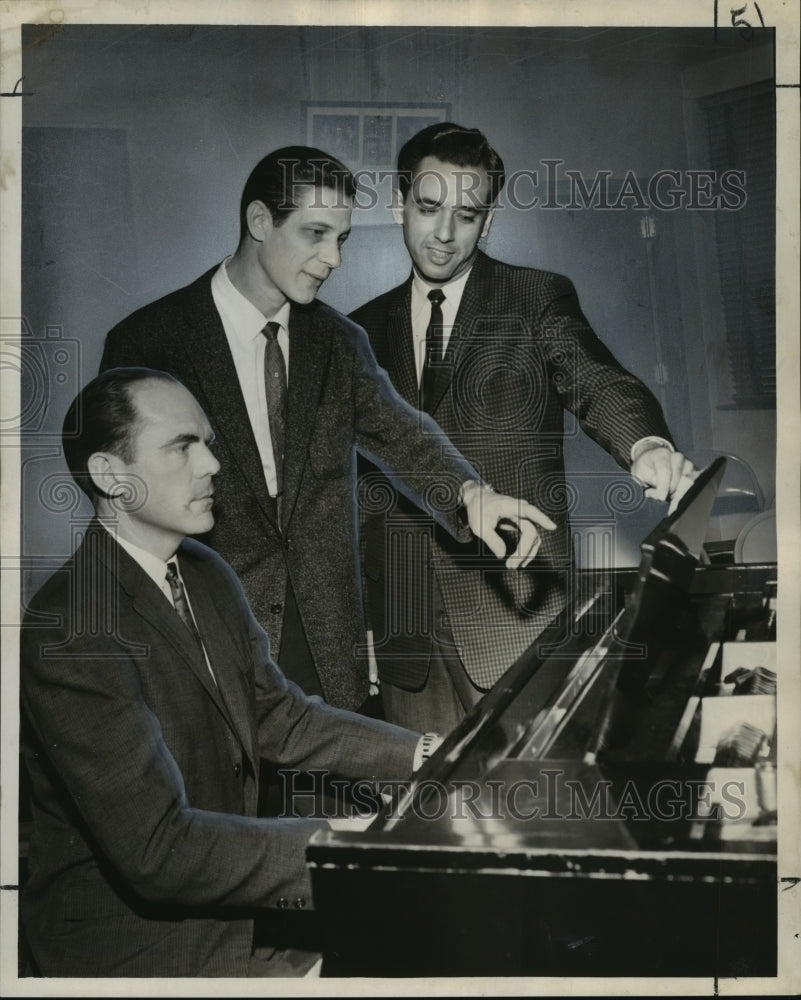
(670, 555)
(619, 658)
(619, 665)
(689, 522)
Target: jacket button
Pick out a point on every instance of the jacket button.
(277, 608)
(286, 542)
(300, 902)
(283, 903)
(237, 769)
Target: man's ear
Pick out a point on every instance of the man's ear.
(488, 222)
(103, 468)
(259, 220)
(397, 206)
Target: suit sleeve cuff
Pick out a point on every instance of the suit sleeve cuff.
(426, 746)
(646, 443)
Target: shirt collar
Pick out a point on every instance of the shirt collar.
(154, 567)
(247, 321)
(453, 290)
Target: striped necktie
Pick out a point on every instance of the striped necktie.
(180, 601)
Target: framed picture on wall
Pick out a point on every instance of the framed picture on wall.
(367, 137)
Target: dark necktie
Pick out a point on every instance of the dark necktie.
(275, 389)
(180, 601)
(435, 340)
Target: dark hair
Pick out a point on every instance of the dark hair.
(464, 147)
(103, 417)
(275, 178)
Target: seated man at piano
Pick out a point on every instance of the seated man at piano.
(148, 697)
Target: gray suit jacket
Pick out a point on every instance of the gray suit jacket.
(338, 399)
(145, 857)
(521, 353)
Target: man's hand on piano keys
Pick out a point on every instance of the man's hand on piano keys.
(665, 474)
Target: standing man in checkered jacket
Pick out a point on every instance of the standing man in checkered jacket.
(495, 353)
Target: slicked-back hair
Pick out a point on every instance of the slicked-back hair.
(462, 147)
(103, 417)
(276, 178)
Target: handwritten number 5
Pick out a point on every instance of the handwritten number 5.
(746, 30)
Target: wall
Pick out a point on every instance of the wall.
(139, 139)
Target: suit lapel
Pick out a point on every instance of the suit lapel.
(222, 649)
(152, 605)
(398, 356)
(220, 395)
(146, 598)
(309, 353)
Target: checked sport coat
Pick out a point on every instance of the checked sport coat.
(521, 353)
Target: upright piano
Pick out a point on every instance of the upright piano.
(608, 808)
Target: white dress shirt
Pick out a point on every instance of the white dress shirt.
(421, 314)
(155, 568)
(243, 324)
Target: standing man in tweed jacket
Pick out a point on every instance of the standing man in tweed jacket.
(285, 515)
(495, 353)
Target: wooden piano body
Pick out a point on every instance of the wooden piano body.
(592, 815)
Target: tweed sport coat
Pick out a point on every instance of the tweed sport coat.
(521, 353)
(338, 399)
(145, 858)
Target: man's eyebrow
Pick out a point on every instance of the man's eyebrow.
(329, 228)
(421, 199)
(437, 202)
(182, 439)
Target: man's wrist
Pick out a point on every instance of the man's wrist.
(469, 487)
